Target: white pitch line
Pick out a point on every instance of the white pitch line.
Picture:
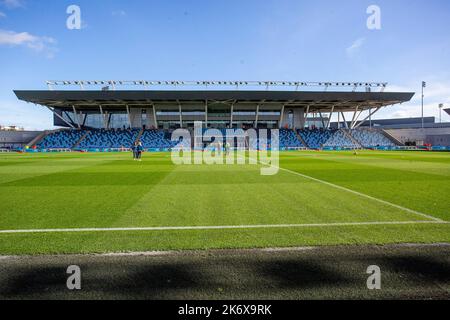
(338, 224)
(355, 192)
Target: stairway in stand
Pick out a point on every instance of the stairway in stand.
(349, 135)
(38, 139)
(81, 139)
(391, 137)
(139, 135)
(299, 137)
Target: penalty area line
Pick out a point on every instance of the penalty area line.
(262, 226)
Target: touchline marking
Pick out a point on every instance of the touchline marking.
(262, 226)
(354, 192)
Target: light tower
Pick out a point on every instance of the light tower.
(424, 84)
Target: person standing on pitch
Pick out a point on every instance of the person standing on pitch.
(227, 148)
(134, 149)
(139, 150)
(219, 147)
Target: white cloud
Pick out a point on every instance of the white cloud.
(39, 44)
(2, 15)
(119, 13)
(436, 92)
(26, 115)
(12, 4)
(354, 48)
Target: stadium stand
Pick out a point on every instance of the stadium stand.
(370, 138)
(64, 139)
(289, 139)
(316, 138)
(339, 139)
(161, 139)
(357, 138)
(157, 139)
(109, 139)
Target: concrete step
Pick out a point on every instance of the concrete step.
(299, 137)
(80, 140)
(354, 140)
(391, 138)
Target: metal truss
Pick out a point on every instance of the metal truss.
(147, 84)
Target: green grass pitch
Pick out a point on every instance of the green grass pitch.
(401, 197)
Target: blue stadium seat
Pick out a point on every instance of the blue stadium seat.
(63, 139)
(339, 139)
(316, 138)
(159, 139)
(289, 139)
(114, 138)
(371, 138)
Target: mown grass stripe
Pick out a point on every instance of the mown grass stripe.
(339, 224)
(355, 192)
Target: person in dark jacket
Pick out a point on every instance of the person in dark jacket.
(134, 149)
(139, 149)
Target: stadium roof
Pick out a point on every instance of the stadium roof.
(316, 100)
(447, 110)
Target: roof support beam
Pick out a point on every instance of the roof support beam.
(129, 116)
(76, 117)
(181, 114)
(357, 117)
(69, 117)
(84, 119)
(155, 121)
(306, 116)
(329, 118)
(280, 124)
(231, 115)
(371, 113)
(303, 120)
(103, 117)
(206, 113)
(339, 120)
(57, 115)
(354, 117)
(257, 116)
(345, 121)
(321, 119)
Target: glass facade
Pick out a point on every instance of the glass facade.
(170, 119)
(118, 120)
(94, 120)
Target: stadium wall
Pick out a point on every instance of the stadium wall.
(13, 139)
(433, 136)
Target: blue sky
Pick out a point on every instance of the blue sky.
(315, 40)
